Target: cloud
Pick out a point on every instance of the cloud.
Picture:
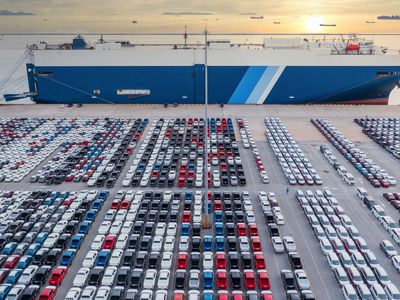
(248, 14)
(17, 13)
(184, 13)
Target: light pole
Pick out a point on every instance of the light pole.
(206, 219)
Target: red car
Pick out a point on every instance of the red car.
(58, 275)
(263, 280)
(260, 262)
(182, 260)
(179, 295)
(241, 229)
(181, 181)
(237, 295)
(48, 293)
(125, 204)
(11, 261)
(253, 229)
(220, 260)
(3, 274)
(110, 241)
(249, 280)
(217, 205)
(267, 296)
(256, 244)
(222, 281)
(187, 216)
(223, 295)
(115, 204)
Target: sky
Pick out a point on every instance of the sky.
(279, 16)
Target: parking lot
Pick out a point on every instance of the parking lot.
(297, 121)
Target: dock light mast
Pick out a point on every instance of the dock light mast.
(206, 219)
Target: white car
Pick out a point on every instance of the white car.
(166, 260)
(277, 244)
(116, 227)
(396, 262)
(160, 229)
(184, 244)
(103, 292)
(104, 227)
(127, 227)
(51, 240)
(169, 243)
(81, 277)
(116, 257)
(73, 294)
(289, 243)
(156, 246)
(171, 229)
(90, 259)
(208, 261)
(97, 243)
(163, 279)
(149, 279)
(109, 276)
(27, 275)
(279, 219)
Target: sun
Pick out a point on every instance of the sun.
(313, 24)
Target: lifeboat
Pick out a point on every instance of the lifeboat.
(353, 47)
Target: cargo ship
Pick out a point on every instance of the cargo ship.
(276, 71)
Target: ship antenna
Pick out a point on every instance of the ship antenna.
(101, 39)
(185, 36)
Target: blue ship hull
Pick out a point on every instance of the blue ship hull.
(227, 84)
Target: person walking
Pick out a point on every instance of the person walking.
(287, 190)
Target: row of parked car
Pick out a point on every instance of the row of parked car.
(96, 156)
(379, 212)
(172, 154)
(248, 142)
(26, 142)
(295, 280)
(41, 233)
(150, 245)
(371, 171)
(384, 131)
(393, 199)
(295, 165)
(354, 265)
(340, 169)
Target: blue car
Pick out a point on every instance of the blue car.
(185, 229)
(208, 295)
(207, 243)
(9, 248)
(220, 243)
(219, 229)
(91, 214)
(103, 257)
(76, 241)
(208, 279)
(103, 194)
(41, 237)
(4, 290)
(14, 275)
(218, 216)
(84, 227)
(188, 195)
(68, 257)
(24, 262)
(32, 249)
(97, 204)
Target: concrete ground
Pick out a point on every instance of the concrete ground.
(297, 121)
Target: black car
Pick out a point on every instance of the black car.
(41, 275)
(195, 260)
(127, 258)
(122, 276)
(234, 260)
(295, 260)
(30, 293)
(136, 278)
(53, 256)
(180, 277)
(288, 280)
(40, 257)
(95, 276)
(141, 260)
(153, 260)
(133, 241)
(273, 229)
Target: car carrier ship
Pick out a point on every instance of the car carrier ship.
(276, 71)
